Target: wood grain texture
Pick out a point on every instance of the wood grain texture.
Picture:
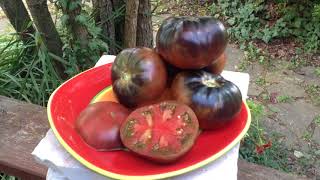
(22, 126)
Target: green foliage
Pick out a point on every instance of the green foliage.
(80, 56)
(7, 177)
(296, 63)
(260, 81)
(284, 99)
(274, 156)
(255, 19)
(317, 120)
(317, 71)
(26, 70)
(314, 93)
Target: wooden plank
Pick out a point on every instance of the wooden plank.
(22, 126)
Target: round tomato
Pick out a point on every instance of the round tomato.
(191, 42)
(138, 76)
(218, 65)
(98, 125)
(215, 100)
(161, 132)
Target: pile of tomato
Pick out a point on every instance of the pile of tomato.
(167, 95)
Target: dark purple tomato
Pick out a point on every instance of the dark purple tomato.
(215, 100)
(98, 125)
(138, 76)
(162, 132)
(191, 42)
(218, 65)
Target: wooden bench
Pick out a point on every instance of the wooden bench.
(23, 125)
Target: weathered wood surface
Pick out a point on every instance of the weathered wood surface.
(23, 125)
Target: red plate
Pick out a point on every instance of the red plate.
(74, 95)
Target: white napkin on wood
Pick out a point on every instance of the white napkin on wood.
(62, 166)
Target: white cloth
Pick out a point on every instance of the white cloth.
(62, 166)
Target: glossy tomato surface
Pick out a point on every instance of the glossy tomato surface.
(161, 132)
(215, 100)
(138, 76)
(191, 42)
(218, 65)
(99, 123)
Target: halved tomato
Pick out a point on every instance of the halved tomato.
(161, 132)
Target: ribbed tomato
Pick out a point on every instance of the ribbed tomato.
(191, 42)
(138, 76)
(215, 100)
(161, 132)
(99, 123)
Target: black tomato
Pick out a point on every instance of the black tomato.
(138, 76)
(99, 123)
(191, 42)
(215, 100)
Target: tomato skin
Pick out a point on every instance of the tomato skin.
(165, 96)
(162, 132)
(98, 125)
(138, 76)
(215, 100)
(191, 42)
(218, 65)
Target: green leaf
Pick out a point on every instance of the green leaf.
(63, 4)
(297, 22)
(64, 19)
(231, 21)
(81, 19)
(74, 5)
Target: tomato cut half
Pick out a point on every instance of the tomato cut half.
(161, 132)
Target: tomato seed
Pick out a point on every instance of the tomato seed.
(165, 106)
(129, 128)
(185, 139)
(155, 147)
(179, 131)
(186, 118)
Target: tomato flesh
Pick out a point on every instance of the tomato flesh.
(162, 132)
